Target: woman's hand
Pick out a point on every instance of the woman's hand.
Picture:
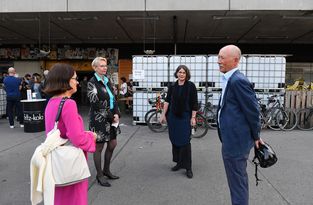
(162, 118)
(95, 136)
(116, 118)
(193, 121)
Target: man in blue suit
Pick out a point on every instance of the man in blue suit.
(238, 123)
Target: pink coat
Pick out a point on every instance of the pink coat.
(71, 127)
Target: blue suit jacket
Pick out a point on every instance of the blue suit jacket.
(239, 121)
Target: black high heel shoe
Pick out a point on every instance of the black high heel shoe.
(102, 181)
(110, 175)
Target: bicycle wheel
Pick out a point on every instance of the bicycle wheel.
(274, 121)
(305, 119)
(201, 127)
(262, 121)
(149, 113)
(289, 120)
(211, 119)
(154, 122)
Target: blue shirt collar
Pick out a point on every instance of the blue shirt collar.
(227, 75)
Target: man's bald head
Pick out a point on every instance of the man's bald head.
(228, 58)
(232, 50)
(11, 71)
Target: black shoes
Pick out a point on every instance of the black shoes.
(189, 173)
(110, 175)
(102, 181)
(175, 168)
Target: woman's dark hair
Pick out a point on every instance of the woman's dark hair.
(185, 68)
(123, 79)
(58, 79)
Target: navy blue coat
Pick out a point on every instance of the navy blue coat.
(239, 121)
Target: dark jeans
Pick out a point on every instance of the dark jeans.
(14, 102)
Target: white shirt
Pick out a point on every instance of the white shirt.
(224, 79)
(123, 90)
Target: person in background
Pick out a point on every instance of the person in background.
(36, 85)
(130, 88)
(43, 85)
(129, 102)
(62, 83)
(123, 89)
(4, 74)
(12, 87)
(83, 90)
(180, 108)
(1, 78)
(103, 113)
(238, 123)
(25, 86)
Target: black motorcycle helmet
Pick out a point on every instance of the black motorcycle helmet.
(265, 155)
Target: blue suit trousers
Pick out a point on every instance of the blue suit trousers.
(237, 178)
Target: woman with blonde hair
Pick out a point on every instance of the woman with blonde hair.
(103, 112)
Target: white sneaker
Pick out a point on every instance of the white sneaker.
(11, 126)
(21, 125)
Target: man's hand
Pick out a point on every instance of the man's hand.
(258, 142)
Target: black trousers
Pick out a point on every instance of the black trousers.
(14, 104)
(182, 156)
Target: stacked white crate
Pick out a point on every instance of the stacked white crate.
(267, 73)
(154, 68)
(155, 76)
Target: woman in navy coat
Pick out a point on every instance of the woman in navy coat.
(180, 110)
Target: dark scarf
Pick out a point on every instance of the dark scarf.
(179, 98)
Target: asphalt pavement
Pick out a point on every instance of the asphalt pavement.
(142, 159)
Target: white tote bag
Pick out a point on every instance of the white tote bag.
(69, 164)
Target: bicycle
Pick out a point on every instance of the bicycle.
(305, 118)
(209, 111)
(156, 103)
(200, 129)
(154, 115)
(275, 116)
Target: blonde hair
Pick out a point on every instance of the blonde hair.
(97, 60)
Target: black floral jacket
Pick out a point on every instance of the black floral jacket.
(100, 115)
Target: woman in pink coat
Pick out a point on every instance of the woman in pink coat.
(62, 82)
